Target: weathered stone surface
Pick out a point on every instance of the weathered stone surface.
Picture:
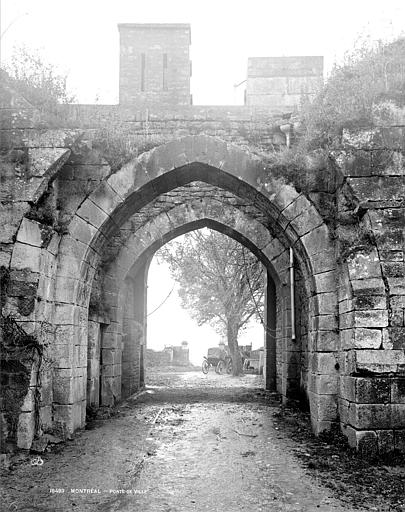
(220, 177)
(361, 338)
(376, 361)
(364, 265)
(25, 430)
(26, 257)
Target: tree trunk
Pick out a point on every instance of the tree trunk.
(232, 335)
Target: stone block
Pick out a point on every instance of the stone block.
(355, 163)
(92, 214)
(63, 390)
(25, 430)
(397, 337)
(347, 388)
(106, 198)
(46, 161)
(399, 440)
(366, 301)
(28, 404)
(64, 314)
(364, 265)
(26, 257)
(306, 221)
(65, 334)
(323, 384)
(325, 282)
(122, 181)
(367, 443)
(370, 416)
(396, 285)
(108, 370)
(361, 338)
(394, 269)
(107, 393)
(374, 189)
(327, 303)
(323, 407)
(372, 390)
(323, 363)
(63, 355)
(80, 355)
(67, 289)
(111, 340)
(343, 410)
(364, 441)
(79, 388)
(375, 361)
(398, 318)
(69, 416)
(30, 233)
(371, 318)
(398, 415)
(45, 417)
(82, 230)
(324, 323)
(93, 391)
(398, 390)
(323, 341)
(371, 286)
(316, 241)
(324, 261)
(385, 441)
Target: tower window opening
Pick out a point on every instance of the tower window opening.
(143, 65)
(164, 81)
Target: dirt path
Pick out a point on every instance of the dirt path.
(191, 443)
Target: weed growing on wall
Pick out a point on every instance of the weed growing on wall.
(366, 90)
(37, 81)
(118, 143)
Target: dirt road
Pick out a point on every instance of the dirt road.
(190, 443)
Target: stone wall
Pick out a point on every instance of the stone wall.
(372, 289)
(283, 81)
(77, 235)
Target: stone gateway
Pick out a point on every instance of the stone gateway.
(78, 235)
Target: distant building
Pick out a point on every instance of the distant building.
(155, 65)
(169, 356)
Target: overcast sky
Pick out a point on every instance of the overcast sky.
(81, 36)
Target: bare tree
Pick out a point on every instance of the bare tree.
(221, 283)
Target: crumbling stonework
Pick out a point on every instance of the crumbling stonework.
(77, 238)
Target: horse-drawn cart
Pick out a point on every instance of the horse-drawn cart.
(218, 358)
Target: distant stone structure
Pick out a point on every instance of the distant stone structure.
(77, 238)
(155, 64)
(169, 356)
(282, 82)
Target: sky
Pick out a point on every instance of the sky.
(80, 38)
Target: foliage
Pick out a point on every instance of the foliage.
(368, 86)
(38, 81)
(221, 283)
(119, 144)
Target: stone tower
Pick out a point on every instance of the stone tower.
(281, 82)
(155, 65)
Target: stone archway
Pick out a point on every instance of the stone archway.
(291, 218)
(287, 215)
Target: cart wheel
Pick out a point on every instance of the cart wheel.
(220, 367)
(205, 367)
(229, 367)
